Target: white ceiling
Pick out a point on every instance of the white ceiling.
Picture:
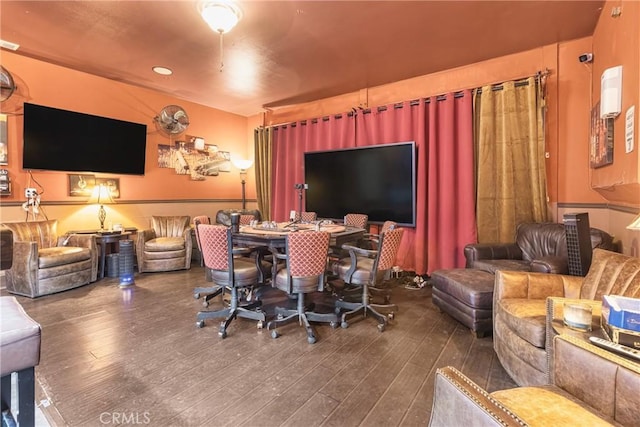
(284, 52)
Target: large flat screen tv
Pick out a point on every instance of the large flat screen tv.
(378, 180)
(61, 140)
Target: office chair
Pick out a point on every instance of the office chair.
(356, 220)
(236, 273)
(305, 216)
(366, 268)
(304, 273)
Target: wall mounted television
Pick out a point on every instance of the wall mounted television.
(62, 140)
(378, 180)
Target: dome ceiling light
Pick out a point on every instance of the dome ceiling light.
(221, 16)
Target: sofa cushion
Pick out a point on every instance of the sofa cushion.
(491, 265)
(526, 318)
(62, 255)
(549, 405)
(162, 244)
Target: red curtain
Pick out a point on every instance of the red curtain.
(290, 142)
(445, 204)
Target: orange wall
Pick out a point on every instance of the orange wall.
(46, 84)
(616, 41)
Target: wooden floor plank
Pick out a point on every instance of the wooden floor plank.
(136, 353)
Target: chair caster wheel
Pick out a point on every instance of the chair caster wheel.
(311, 340)
(333, 325)
(222, 334)
(344, 325)
(260, 324)
(200, 324)
(391, 316)
(381, 327)
(196, 296)
(205, 303)
(274, 334)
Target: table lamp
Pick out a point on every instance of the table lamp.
(101, 196)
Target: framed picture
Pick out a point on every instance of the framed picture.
(113, 184)
(81, 185)
(4, 143)
(601, 147)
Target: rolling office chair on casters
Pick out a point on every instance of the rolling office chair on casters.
(366, 268)
(304, 273)
(236, 273)
(209, 292)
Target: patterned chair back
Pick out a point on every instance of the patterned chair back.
(246, 219)
(356, 220)
(307, 253)
(388, 250)
(215, 245)
(306, 216)
(388, 225)
(197, 220)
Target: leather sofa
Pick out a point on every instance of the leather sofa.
(540, 247)
(591, 387)
(166, 246)
(45, 263)
(525, 304)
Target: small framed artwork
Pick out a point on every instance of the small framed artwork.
(113, 184)
(81, 185)
(601, 147)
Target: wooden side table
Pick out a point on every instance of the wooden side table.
(104, 239)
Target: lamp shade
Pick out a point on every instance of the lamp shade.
(635, 224)
(220, 15)
(242, 164)
(100, 196)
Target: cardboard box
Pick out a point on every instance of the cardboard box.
(621, 312)
(620, 320)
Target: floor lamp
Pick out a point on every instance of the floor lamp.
(243, 165)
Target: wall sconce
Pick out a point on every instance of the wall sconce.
(101, 196)
(635, 224)
(243, 165)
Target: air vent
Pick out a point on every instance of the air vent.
(8, 45)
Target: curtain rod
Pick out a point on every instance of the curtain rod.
(539, 76)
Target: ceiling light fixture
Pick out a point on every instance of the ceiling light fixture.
(221, 16)
(164, 71)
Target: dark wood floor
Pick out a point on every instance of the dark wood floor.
(134, 356)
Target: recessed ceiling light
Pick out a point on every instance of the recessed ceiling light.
(162, 70)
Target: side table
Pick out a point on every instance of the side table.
(104, 239)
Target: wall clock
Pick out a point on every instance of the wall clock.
(7, 85)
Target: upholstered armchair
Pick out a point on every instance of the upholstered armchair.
(540, 247)
(166, 246)
(526, 303)
(45, 263)
(591, 387)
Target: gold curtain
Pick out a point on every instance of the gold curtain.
(510, 162)
(263, 145)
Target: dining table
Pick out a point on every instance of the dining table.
(275, 237)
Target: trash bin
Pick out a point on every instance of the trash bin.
(112, 267)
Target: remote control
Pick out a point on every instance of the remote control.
(617, 348)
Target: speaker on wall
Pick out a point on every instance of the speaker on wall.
(579, 250)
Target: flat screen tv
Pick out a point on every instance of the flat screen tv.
(61, 140)
(378, 180)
